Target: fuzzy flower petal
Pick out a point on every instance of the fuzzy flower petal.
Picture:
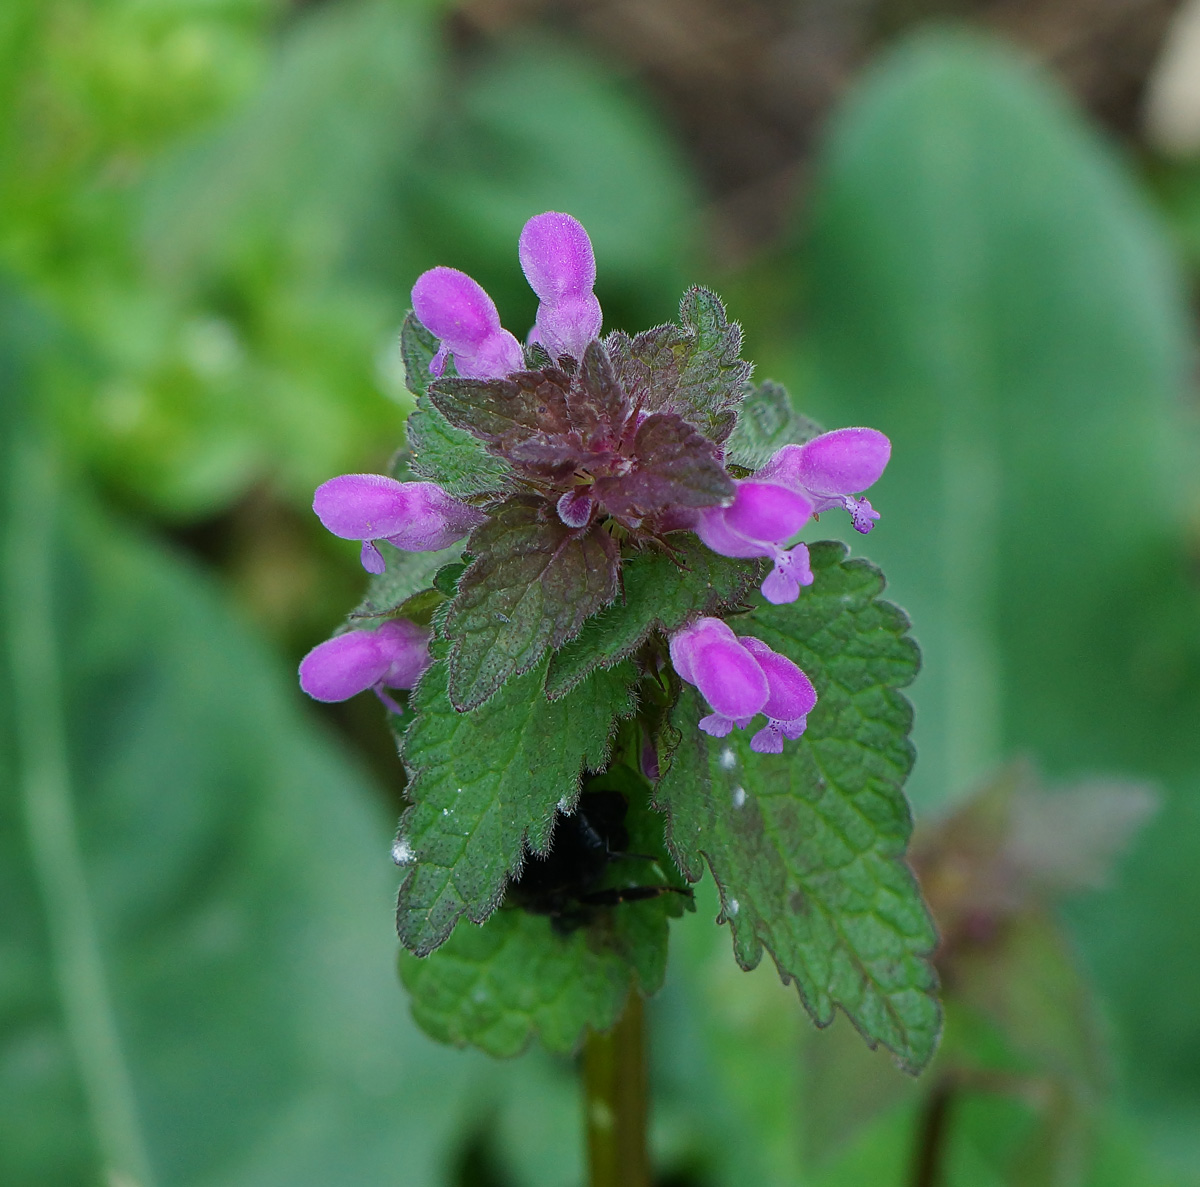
(762, 516)
(416, 516)
(557, 258)
(709, 655)
(394, 656)
(767, 511)
(456, 310)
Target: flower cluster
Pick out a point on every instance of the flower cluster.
(740, 677)
(607, 445)
(799, 481)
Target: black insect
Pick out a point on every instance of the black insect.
(566, 883)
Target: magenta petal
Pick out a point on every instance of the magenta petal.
(843, 462)
(454, 308)
(498, 355)
(361, 506)
(567, 326)
(405, 647)
(716, 725)
(768, 740)
(342, 666)
(780, 587)
(713, 530)
(767, 511)
(556, 256)
(791, 694)
(372, 558)
(417, 516)
(729, 677)
(575, 508)
(683, 643)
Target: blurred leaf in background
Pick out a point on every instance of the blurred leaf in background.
(988, 287)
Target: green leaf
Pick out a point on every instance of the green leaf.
(531, 585)
(767, 421)
(517, 976)
(660, 592)
(194, 878)
(451, 457)
(485, 784)
(693, 369)
(808, 847)
(1030, 356)
(400, 589)
(417, 348)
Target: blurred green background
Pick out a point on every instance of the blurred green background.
(974, 225)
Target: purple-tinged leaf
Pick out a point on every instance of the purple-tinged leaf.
(532, 584)
(598, 403)
(675, 467)
(694, 369)
(503, 412)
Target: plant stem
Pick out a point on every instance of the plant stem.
(615, 1101)
(931, 1138)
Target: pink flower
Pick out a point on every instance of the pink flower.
(740, 677)
(415, 516)
(556, 256)
(761, 517)
(394, 656)
(456, 310)
(832, 468)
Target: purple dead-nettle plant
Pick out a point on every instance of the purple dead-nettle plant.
(601, 636)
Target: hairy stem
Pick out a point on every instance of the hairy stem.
(615, 1101)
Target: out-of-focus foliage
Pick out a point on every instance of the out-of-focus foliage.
(988, 288)
(221, 204)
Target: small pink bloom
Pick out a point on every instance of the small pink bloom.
(761, 517)
(456, 310)
(394, 656)
(415, 516)
(740, 676)
(832, 469)
(556, 256)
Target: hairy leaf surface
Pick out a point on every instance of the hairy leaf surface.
(677, 468)
(450, 456)
(767, 421)
(517, 976)
(694, 369)
(659, 593)
(532, 584)
(808, 847)
(485, 784)
(504, 412)
(408, 577)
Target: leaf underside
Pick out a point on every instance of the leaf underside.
(533, 583)
(659, 592)
(807, 847)
(485, 784)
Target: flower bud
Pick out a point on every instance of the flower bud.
(456, 310)
(556, 256)
(394, 656)
(415, 516)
